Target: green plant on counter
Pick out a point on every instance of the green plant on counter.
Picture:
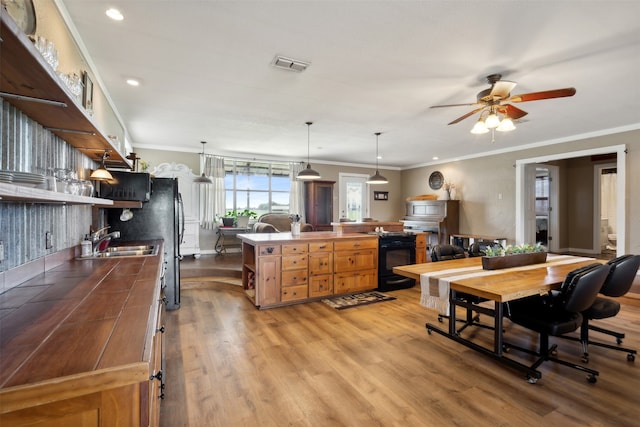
(514, 249)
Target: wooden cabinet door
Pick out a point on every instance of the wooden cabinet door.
(269, 276)
(355, 260)
(321, 285)
(320, 263)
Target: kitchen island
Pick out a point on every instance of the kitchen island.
(81, 344)
(280, 269)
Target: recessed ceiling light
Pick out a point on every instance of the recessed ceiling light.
(133, 82)
(435, 158)
(114, 14)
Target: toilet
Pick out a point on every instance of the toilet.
(613, 239)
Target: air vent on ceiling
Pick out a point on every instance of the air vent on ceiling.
(289, 64)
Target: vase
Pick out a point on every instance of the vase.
(295, 228)
(514, 260)
(227, 222)
(447, 195)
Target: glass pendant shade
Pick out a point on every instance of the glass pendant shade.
(506, 125)
(101, 174)
(308, 173)
(479, 128)
(376, 178)
(492, 121)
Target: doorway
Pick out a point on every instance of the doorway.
(525, 214)
(605, 207)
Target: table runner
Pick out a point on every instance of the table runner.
(435, 285)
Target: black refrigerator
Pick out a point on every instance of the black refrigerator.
(159, 218)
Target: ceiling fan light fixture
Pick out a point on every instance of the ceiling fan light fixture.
(377, 178)
(506, 125)
(479, 128)
(308, 174)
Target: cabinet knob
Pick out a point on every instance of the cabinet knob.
(160, 329)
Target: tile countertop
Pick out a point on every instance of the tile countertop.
(80, 319)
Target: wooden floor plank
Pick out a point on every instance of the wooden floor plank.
(229, 364)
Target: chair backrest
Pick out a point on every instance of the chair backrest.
(581, 286)
(623, 272)
(478, 248)
(446, 252)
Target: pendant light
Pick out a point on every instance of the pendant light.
(202, 179)
(377, 178)
(102, 174)
(308, 174)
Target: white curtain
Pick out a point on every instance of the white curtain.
(296, 197)
(609, 200)
(212, 196)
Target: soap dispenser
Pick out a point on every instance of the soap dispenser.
(86, 247)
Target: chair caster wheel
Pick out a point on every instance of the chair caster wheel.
(506, 349)
(554, 353)
(585, 359)
(440, 319)
(531, 380)
(619, 341)
(592, 379)
(631, 357)
(428, 331)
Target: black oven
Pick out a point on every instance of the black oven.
(395, 249)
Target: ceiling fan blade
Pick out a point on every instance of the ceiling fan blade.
(502, 88)
(514, 113)
(471, 113)
(548, 94)
(454, 105)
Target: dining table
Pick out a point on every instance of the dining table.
(441, 283)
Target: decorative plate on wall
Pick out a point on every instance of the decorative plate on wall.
(23, 12)
(436, 180)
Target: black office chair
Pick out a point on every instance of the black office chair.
(446, 253)
(451, 252)
(623, 272)
(559, 314)
(478, 248)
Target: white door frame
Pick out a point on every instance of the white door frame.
(521, 192)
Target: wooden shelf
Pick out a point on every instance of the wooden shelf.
(126, 204)
(36, 195)
(25, 72)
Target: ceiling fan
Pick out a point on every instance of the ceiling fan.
(494, 102)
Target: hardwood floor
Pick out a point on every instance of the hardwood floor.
(229, 364)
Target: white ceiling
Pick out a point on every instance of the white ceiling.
(206, 73)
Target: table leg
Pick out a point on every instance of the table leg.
(219, 246)
(497, 333)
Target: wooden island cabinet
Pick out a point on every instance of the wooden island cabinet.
(281, 269)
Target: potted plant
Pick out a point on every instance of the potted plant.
(238, 218)
(513, 256)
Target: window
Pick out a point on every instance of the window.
(354, 196)
(261, 187)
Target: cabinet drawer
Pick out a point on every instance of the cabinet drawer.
(320, 263)
(299, 248)
(347, 245)
(294, 262)
(321, 285)
(269, 250)
(320, 247)
(293, 293)
(294, 277)
(355, 260)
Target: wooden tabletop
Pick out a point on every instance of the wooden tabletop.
(506, 284)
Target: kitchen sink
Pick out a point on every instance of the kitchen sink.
(125, 251)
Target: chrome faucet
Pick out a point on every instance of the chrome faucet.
(100, 239)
